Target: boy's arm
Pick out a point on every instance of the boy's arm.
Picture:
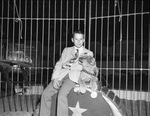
(58, 66)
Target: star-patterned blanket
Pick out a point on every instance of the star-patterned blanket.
(84, 105)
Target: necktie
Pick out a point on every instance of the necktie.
(77, 53)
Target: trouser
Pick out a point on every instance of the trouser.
(62, 103)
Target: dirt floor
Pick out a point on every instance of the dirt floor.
(18, 113)
(18, 105)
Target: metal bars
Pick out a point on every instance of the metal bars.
(33, 34)
(116, 31)
(123, 56)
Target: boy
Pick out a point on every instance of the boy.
(65, 75)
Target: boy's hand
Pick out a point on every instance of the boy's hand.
(56, 84)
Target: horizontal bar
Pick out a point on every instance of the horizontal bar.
(43, 18)
(120, 15)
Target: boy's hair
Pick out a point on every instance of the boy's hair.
(77, 31)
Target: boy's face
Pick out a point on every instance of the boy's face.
(78, 40)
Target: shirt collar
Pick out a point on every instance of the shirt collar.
(80, 49)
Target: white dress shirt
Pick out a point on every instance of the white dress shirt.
(80, 49)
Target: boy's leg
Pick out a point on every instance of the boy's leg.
(46, 100)
(62, 105)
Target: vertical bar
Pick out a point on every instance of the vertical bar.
(114, 34)
(26, 97)
(79, 16)
(48, 56)
(42, 43)
(134, 54)
(54, 32)
(18, 49)
(0, 82)
(12, 55)
(127, 60)
(85, 21)
(148, 96)
(67, 24)
(12, 50)
(1, 90)
(30, 46)
(89, 24)
(107, 42)
(19, 22)
(19, 37)
(24, 47)
(7, 30)
(73, 17)
(31, 31)
(3, 104)
(101, 55)
(134, 45)
(95, 29)
(60, 28)
(37, 27)
(25, 27)
(42, 36)
(114, 40)
(120, 67)
(7, 53)
(1, 29)
(31, 26)
(10, 102)
(130, 69)
(141, 71)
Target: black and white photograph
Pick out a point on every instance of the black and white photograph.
(74, 58)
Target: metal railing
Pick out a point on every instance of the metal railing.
(33, 34)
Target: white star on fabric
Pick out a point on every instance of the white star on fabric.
(77, 111)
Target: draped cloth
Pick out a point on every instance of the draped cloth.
(84, 105)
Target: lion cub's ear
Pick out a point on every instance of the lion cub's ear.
(91, 60)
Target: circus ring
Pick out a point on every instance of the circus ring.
(103, 103)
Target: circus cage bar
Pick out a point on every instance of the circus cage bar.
(33, 34)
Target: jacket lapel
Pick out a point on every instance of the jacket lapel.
(72, 51)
